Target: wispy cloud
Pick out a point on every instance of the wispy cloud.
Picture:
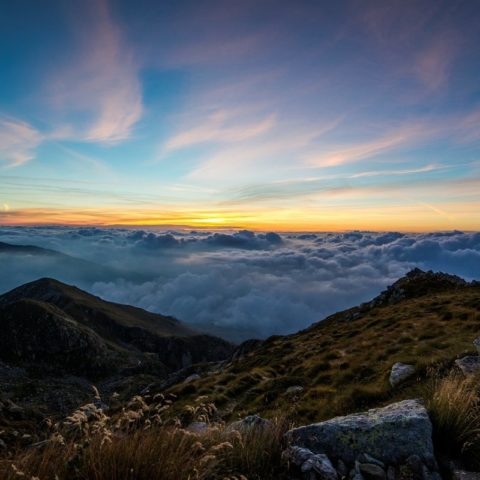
(221, 127)
(386, 142)
(102, 81)
(434, 63)
(18, 141)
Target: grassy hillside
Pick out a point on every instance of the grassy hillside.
(343, 363)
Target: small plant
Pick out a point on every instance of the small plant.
(144, 442)
(454, 408)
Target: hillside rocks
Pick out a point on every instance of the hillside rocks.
(400, 372)
(470, 364)
(249, 422)
(368, 442)
(415, 284)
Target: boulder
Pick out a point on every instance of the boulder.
(307, 461)
(468, 365)
(192, 378)
(400, 372)
(249, 422)
(390, 434)
(294, 391)
(372, 471)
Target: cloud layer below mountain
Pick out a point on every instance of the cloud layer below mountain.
(241, 284)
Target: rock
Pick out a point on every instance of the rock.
(342, 468)
(307, 461)
(476, 343)
(13, 408)
(192, 378)
(465, 475)
(415, 464)
(390, 434)
(293, 391)
(372, 471)
(400, 372)
(251, 421)
(390, 473)
(3, 445)
(323, 467)
(366, 458)
(198, 427)
(468, 365)
(297, 455)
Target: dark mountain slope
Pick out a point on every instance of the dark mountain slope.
(128, 335)
(343, 362)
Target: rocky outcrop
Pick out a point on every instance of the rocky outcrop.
(370, 442)
(415, 284)
(401, 372)
(469, 365)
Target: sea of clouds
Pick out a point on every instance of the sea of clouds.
(242, 284)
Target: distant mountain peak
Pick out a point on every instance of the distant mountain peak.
(416, 283)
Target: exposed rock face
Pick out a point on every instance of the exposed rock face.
(390, 434)
(400, 372)
(415, 284)
(468, 365)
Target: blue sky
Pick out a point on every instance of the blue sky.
(293, 115)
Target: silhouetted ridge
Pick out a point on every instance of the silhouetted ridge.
(125, 337)
(417, 283)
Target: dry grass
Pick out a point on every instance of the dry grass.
(455, 412)
(142, 444)
(344, 365)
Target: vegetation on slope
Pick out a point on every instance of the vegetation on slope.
(343, 363)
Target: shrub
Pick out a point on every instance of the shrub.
(454, 408)
(142, 443)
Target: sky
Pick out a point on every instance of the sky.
(267, 115)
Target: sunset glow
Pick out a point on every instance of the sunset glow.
(293, 116)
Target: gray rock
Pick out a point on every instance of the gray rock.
(192, 378)
(468, 365)
(400, 372)
(251, 421)
(293, 391)
(372, 471)
(476, 343)
(415, 464)
(297, 455)
(322, 467)
(390, 434)
(465, 475)
(3, 445)
(307, 461)
(366, 458)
